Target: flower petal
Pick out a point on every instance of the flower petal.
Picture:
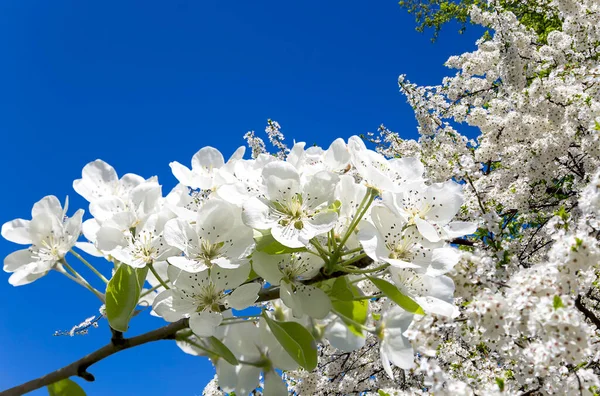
(16, 231)
(243, 296)
(204, 324)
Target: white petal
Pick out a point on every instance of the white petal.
(24, 277)
(97, 177)
(227, 279)
(282, 181)
(319, 189)
(172, 306)
(16, 231)
(337, 155)
(244, 296)
(184, 175)
(17, 259)
(49, 205)
(427, 230)
(184, 263)
(226, 375)
(109, 238)
(215, 220)
(372, 242)
(314, 301)
(436, 306)
(320, 223)
(442, 261)
(256, 214)
(247, 381)
(204, 324)
(89, 248)
(178, 233)
(460, 228)
(274, 385)
(104, 208)
(340, 337)
(448, 200)
(207, 158)
(289, 299)
(267, 266)
(289, 235)
(411, 169)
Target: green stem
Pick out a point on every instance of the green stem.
(358, 249)
(360, 213)
(162, 282)
(153, 288)
(363, 271)
(362, 326)
(352, 260)
(78, 279)
(253, 317)
(90, 266)
(324, 255)
(368, 297)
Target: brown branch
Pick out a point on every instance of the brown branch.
(585, 311)
(79, 367)
(119, 343)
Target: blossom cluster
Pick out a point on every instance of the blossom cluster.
(316, 239)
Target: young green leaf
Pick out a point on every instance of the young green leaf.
(356, 311)
(221, 350)
(122, 295)
(65, 387)
(341, 290)
(296, 340)
(396, 296)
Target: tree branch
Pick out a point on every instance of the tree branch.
(79, 367)
(584, 310)
(119, 343)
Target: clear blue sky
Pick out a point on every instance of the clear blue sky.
(142, 83)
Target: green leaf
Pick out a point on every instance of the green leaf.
(296, 340)
(221, 350)
(122, 295)
(341, 290)
(500, 383)
(354, 310)
(65, 387)
(557, 303)
(382, 393)
(269, 245)
(396, 296)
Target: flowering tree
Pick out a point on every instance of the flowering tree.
(443, 265)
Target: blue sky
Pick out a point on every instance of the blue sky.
(142, 83)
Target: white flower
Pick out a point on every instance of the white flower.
(51, 235)
(200, 296)
(435, 294)
(218, 237)
(294, 211)
(389, 238)
(430, 208)
(138, 247)
(128, 211)
(99, 179)
(257, 345)
(208, 165)
(287, 271)
(394, 347)
(384, 174)
(335, 159)
(249, 180)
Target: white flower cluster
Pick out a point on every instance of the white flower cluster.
(318, 236)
